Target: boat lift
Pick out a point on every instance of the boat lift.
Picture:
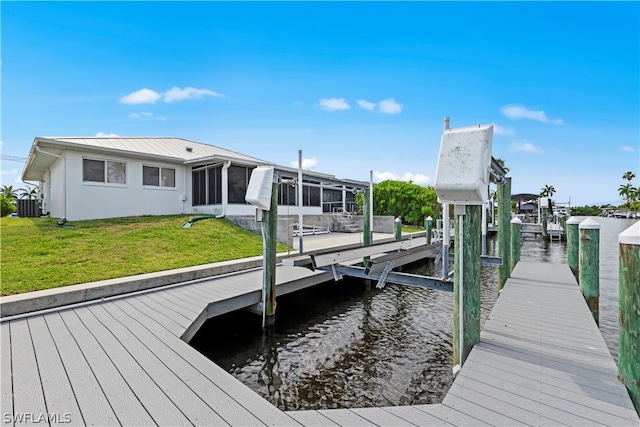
(384, 257)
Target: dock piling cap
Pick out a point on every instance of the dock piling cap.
(516, 220)
(573, 220)
(630, 236)
(589, 224)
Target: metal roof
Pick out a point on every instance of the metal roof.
(159, 146)
(45, 151)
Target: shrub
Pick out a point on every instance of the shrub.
(412, 202)
(7, 207)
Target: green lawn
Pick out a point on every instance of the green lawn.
(37, 254)
(411, 229)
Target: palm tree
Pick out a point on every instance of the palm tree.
(547, 191)
(629, 176)
(628, 192)
(28, 193)
(9, 192)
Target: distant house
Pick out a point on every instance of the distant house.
(105, 177)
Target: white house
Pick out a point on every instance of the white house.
(104, 177)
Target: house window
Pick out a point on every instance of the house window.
(331, 199)
(105, 171)
(311, 195)
(158, 177)
(214, 181)
(207, 185)
(238, 182)
(287, 194)
(199, 186)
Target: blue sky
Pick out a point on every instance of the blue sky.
(357, 86)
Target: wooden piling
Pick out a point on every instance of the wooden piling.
(398, 228)
(629, 322)
(545, 233)
(514, 256)
(573, 244)
(471, 246)
(504, 231)
(428, 226)
(589, 265)
(269, 260)
(366, 228)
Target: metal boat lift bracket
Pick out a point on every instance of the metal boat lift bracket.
(407, 279)
(383, 276)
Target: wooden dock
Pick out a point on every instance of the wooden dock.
(541, 360)
(124, 361)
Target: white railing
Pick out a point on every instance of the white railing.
(342, 213)
(308, 230)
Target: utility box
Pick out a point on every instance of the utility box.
(464, 161)
(260, 188)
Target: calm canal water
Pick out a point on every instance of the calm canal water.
(339, 345)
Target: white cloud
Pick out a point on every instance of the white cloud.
(140, 115)
(390, 106)
(106, 135)
(148, 96)
(527, 147)
(306, 163)
(366, 104)
(178, 94)
(503, 131)
(627, 149)
(333, 104)
(515, 112)
(142, 96)
(416, 178)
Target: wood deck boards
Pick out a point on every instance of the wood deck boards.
(541, 361)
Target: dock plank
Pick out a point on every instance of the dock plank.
(28, 397)
(449, 416)
(311, 418)
(58, 393)
(381, 417)
(152, 396)
(245, 397)
(555, 383)
(556, 404)
(184, 316)
(6, 381)
(92, 402)
(156, 313)
(186, 401)
(414, 415)
(123, 401)
(484, 410)
(345, 417)
(206, 390)
(527, 408)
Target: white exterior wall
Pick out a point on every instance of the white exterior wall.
(243, 210)
(54, 190)
(93, 200)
